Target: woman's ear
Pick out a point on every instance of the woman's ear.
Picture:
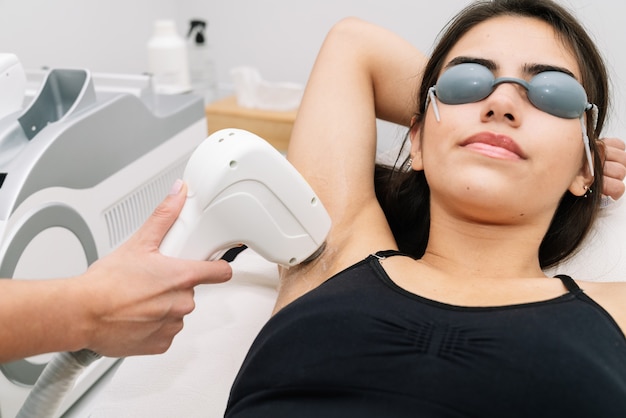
(581, 184)
(415, 135)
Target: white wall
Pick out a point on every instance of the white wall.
(100, 36)
(280, 37)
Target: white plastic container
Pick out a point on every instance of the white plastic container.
(168, 60)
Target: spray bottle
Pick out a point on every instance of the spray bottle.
(201, 64)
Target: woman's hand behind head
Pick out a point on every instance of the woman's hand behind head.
(614, 168)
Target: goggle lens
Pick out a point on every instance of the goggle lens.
(553, 92)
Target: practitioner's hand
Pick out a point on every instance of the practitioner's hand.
(614, 168)
(137, 296)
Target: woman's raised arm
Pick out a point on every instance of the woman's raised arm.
(362, 72)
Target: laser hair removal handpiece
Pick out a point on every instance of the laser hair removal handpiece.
(241, 190)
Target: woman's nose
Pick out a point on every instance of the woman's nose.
(505, 104)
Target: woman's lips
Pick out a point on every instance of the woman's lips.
(494, 145)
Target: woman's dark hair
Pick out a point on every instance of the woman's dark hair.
(404, 195)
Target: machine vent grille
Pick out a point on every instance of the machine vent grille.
(129, 214)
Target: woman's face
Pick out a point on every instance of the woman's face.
(503, 157)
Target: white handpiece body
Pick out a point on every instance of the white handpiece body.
(241, 190)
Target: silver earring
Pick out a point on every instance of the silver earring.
(588, 191)
(408, 166)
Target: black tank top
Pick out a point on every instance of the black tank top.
(361, 346)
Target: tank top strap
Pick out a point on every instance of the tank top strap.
(569, 283)
(390, 253)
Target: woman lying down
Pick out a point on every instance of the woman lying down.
(430, 298)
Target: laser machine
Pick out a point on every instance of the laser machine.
(84, 159)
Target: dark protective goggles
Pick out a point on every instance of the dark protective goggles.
(553, 92)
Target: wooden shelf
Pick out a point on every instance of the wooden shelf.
(275, 127)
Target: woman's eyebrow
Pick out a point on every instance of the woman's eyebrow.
(490, 64)
(528, 69)
(534, 69)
